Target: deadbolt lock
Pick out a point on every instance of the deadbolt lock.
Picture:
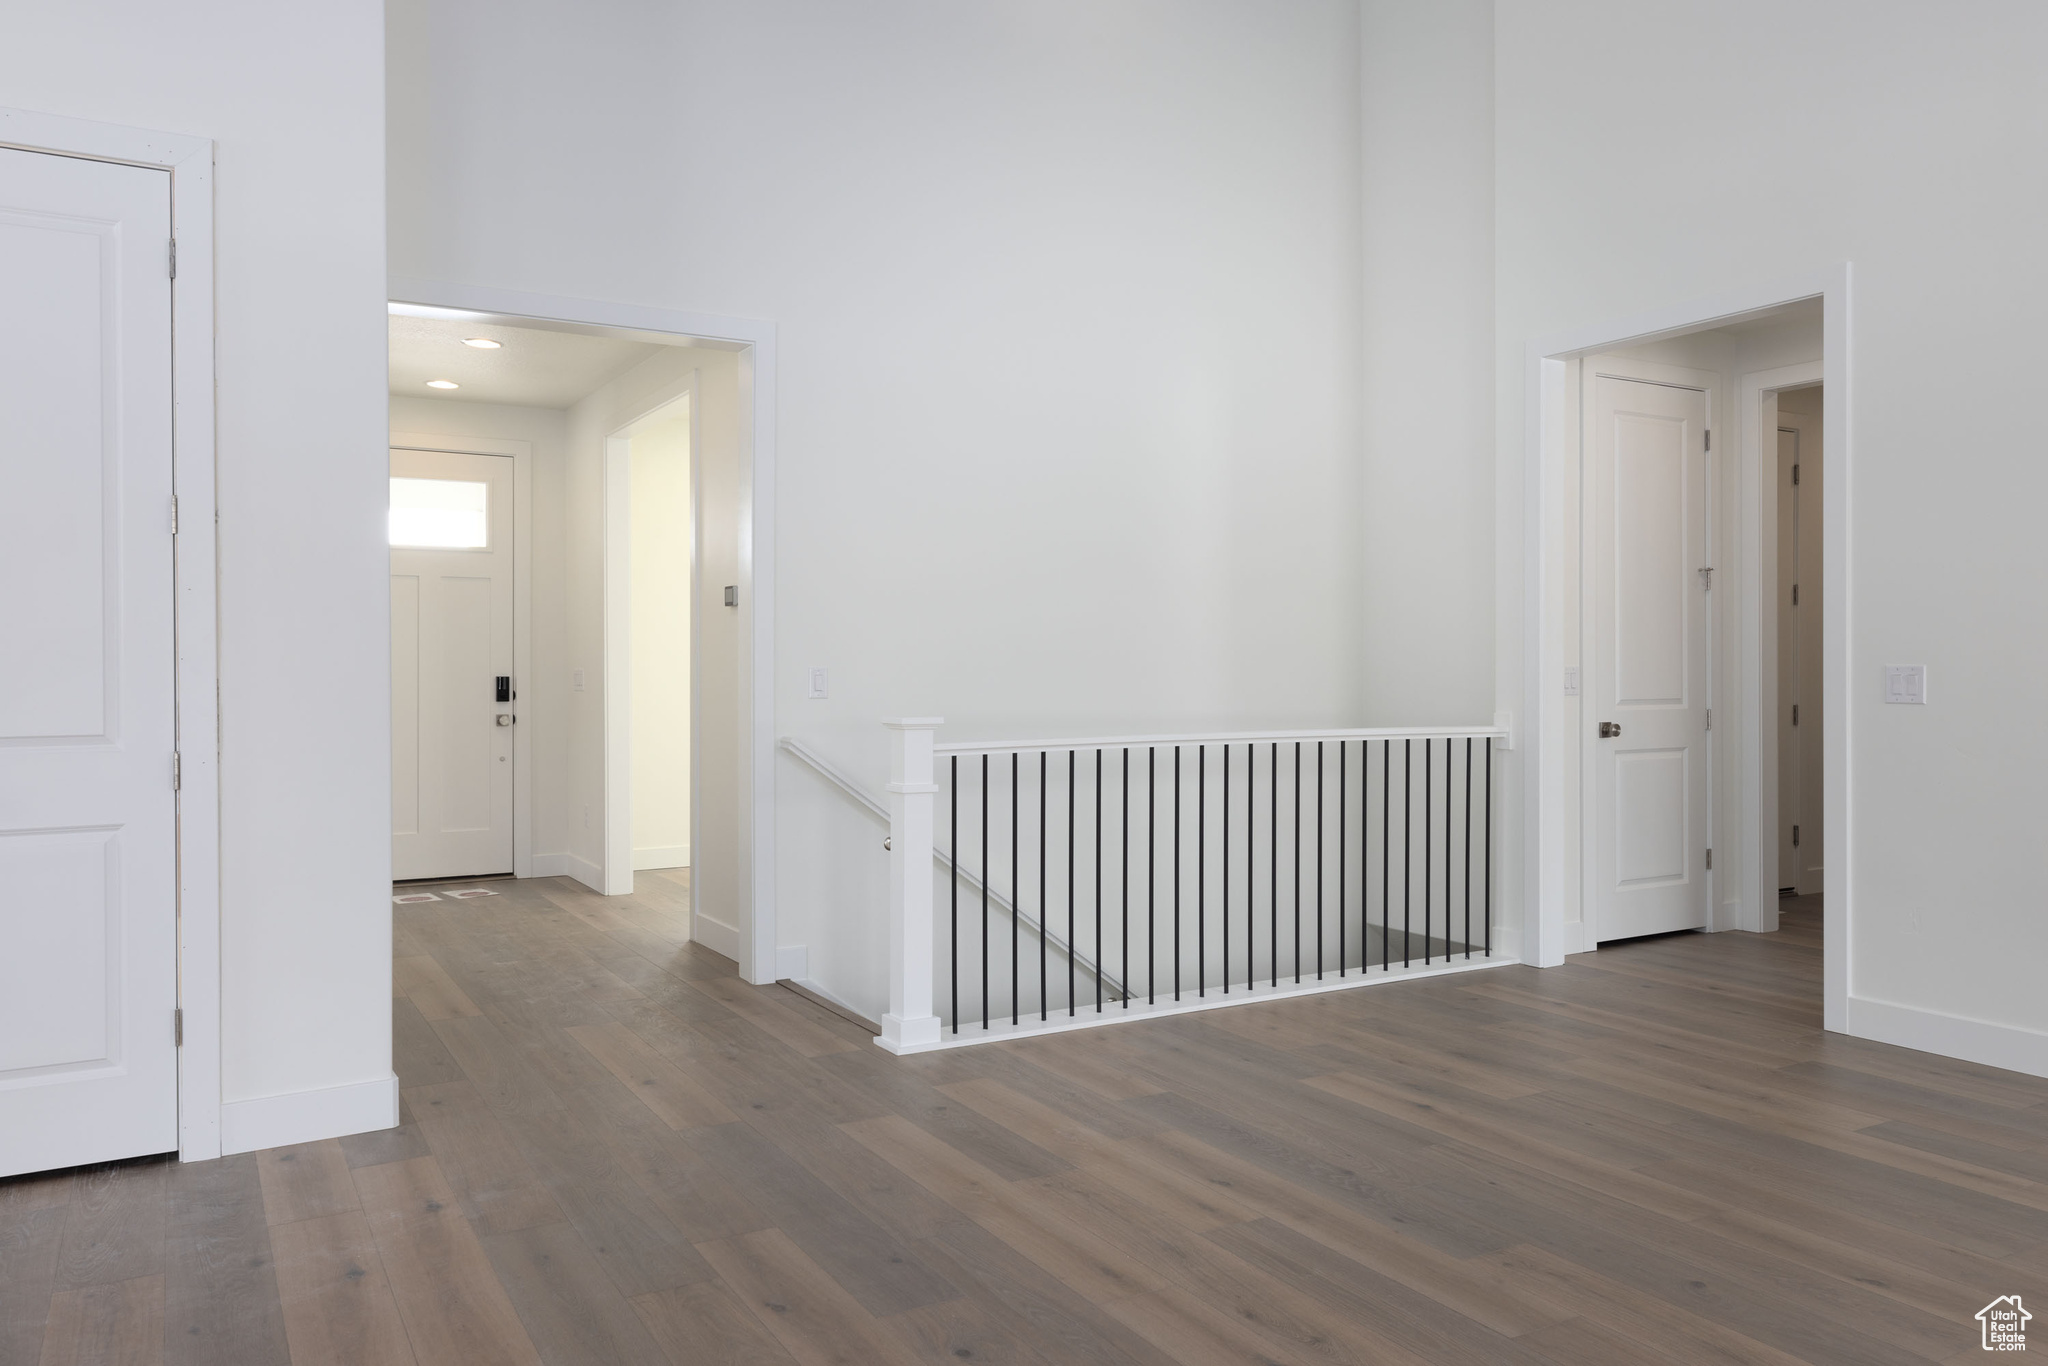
(1609, 729)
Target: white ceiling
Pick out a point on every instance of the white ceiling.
(535, 368)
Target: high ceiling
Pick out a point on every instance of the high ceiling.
(531, 367)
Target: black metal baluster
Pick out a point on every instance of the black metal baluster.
(1224, 911)
(1251, 861)
(1151, 876)
(1016, 891)
(1364, 855)
(1201, 870)
(1044, 895)
(1343, 873)
(1487, 906)
(1320, 785)
(953, 858)
(1176, 872)
(1124, 962)
(1407, 843)
(1427, 840)
(987, 876)
(1468, 846)
(1297, 863)
(1448, 812)
(1073, 819)
(1386, 854)
(1273, 860)
(1098, 882)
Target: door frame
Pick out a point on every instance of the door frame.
(521, 454)
(1536, 625)
(195, 581)
(753, 340)
(1675, 377)
(1757, 609)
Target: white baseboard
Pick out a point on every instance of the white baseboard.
(852, 1012)
(550, 865)
(1953, 1036)
(793, 961)
(718, 938)
(308, 1116)
(670, 856)
(1575, 937)
(584, 871)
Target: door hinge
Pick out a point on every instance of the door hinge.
(1710, 860)
(1795, 713)
(1707, 580)
(178, 1027)
(1795, 837)
(172, 259)
(1710, 718)
(1710, 438)
(1795, 476)
(174, 514)
(1795, 595)
(177, 776)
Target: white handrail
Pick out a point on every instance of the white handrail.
(826, 770)
(1233, 738)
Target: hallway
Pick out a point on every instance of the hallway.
(614, 1151)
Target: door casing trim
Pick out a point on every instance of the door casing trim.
(195, 581)
(1536, 621)
(754, 341)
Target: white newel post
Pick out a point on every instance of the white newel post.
(910, 1026)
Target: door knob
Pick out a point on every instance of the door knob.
(506, 718)
(1609, 729)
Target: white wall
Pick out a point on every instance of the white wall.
(304, 636)
(1648, 155)
(1067, 299)
(1427, 396)
(600, 771)
(662, 538)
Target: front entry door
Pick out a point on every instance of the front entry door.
(88, 727)
(1646, 474)
(453, 697)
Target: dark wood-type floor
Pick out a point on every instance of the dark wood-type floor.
(614, 1151)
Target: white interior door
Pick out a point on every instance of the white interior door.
(451, 644)
(88, 853)
(1646, 478)
(1800, 784)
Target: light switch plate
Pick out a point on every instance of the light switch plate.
(1905, 685)
(1571, 681)
(818, 686)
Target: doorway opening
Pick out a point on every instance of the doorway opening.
(549, 651)
(1670, 655)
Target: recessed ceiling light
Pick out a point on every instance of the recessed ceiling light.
(442, 384)
(482, 343)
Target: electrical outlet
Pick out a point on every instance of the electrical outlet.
(818, 686)
(576, 680)
(586, 818)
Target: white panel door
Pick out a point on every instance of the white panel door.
(451, 641)
(88, 854)
(1646, 471)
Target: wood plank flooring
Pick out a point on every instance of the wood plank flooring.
(613, 1151)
